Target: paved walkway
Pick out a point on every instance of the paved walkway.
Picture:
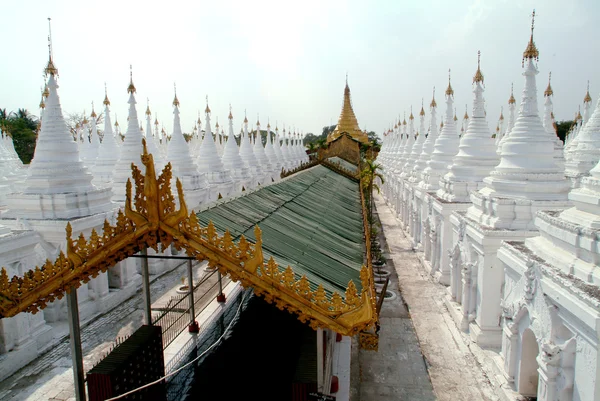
(453, 369)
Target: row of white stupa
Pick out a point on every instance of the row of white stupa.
(64, 183)
(512, 226)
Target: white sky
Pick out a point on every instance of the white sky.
(287, 60)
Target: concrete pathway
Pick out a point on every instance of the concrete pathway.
(454, 371)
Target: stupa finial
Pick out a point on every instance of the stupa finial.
(511, 99)
(176, 101)
(207, 110)
(131, 87)
(531, 52)
(466, 116)
(50, 68)
(411, 117)
(587, 98)
(478, 75)
(449, 90)
(549, 91)
(106, 102)
(93, 115)
(433, 103)
(422, 112)
(230, 115)
(148, 112)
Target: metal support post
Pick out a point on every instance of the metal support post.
(76, 354)
(193, 327)
(320, 361)
(146, 288)
(221, 296)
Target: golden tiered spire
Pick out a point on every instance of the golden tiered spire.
(587, 97)
(449, 90)
(404, 121)
(531, 52)
(148, 112)
(511, 99)
(455, 118)
(131, 87)
(347, 123)
(466, 116)
(93, 115)
(106, 102)
(246, 118)
(422, 112)
(85, 120)
(42, 103)
(155, 119)
(50, 68)
(176, 101)
(207, 110)
(411, 117)
(548, 91)
(501, 113)
(433, 103)
(46, 92)
(578, 117)
(230, 115)
(478, 75)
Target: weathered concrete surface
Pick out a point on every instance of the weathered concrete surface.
(454, 371)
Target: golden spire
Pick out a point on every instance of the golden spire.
(50, 68)
(199, 121)
(85, 120)
(131, 87)
(230, 115)
(587, 97)
(93, 115)
(207, 110)
(466, 116)
(449, 90)
(478, 75)
(155, 119)
(411, 117)
(257, 120)
(148, 112)
(511, 99)
(531, 52)
(433, 103)
(422, 112)
(106, 102)
(176, 101)
(46, 92)
(548, 91)
(217, 125)
(455, 118)
(578, 117)
(116, 121)
(404, 121)
(246, 117)
(268, 124)
(348, 123)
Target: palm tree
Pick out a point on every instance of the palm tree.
(368, 175)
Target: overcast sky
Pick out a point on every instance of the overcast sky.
(287, 61)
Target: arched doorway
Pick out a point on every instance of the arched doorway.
(528, 370)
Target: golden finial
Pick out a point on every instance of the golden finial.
(116, 120)
(578, 117)
(466, 116)
(587, 97)
(131, 87)
(50, 68)
(246, 118)
(257, 120)
(230, 115)
(199, 121)
(268, 124)
(433, 103)
(175, 100)
(46, 92)
(106, 102)
(93, 115)
(531, 52)
(478, 75)
(511, 99)
(404, 122)
(422, 112)
(42, 104)
(501, 113)
(148, 112)
(85, 120)
(497, 128)
(548, 91)
(217, 125)
(449, 90)
(155, 119)
(411, 117)
(552, 114)
(455, 118)
(207, 110)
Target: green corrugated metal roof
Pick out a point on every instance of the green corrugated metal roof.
(344, 163)
(311, 221)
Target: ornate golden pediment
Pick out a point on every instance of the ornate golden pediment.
(151, 219)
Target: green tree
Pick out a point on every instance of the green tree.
(369, 174)
(22, 127)
(563, 127)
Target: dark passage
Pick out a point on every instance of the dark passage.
(267, 350)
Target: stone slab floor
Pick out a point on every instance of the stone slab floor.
(422, 355)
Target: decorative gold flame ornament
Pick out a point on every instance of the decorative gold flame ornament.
(151, 219)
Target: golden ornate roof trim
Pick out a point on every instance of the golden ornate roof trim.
(150, 218)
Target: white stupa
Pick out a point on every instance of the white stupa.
(477, 152)
(247, 154)
(272, 156)
(131, 149)
(195, 184)
(277, 150)
(151, 145)
(428, 144)
(232, 161)
(511, 120)
(403, 168)
(417, 149)
(445, 148)
(210, 163)
(58, 186)
(261, 157)
(108, 153)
